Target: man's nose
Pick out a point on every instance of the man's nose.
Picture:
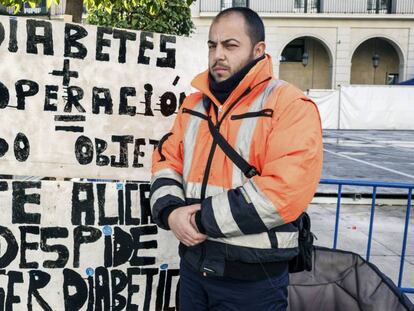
(219, 52)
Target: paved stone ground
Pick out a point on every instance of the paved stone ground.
(368, 155)
(386, 156)
(353, 235)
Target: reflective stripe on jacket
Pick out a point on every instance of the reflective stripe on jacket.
(277, 129)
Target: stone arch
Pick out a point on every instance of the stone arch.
(318, 74)
(389, 46)
(313, 36)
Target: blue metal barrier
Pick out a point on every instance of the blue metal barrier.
(375, 184)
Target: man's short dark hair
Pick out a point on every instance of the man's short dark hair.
(254, 23)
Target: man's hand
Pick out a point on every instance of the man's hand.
(181, 225)
(193, 222)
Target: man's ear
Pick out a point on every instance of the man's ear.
(259, 49)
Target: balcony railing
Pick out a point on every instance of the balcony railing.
(25, 10)
(314, 6)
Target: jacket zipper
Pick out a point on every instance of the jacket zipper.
(214, 144)
(207, 171)
(203, 255)
(211, 155)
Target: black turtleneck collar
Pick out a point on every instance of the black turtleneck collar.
(222, 90)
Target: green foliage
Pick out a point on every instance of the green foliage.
(165, 16)
(156, 16)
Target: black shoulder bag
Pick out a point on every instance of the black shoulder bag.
(301, 262)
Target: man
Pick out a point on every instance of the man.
(236, 231)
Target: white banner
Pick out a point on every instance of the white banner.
(328, 105)
(86, 101)
(359, 107)
(377, 107)
(83, 246)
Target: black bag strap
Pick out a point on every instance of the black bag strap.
(248, 170)
(302, 261)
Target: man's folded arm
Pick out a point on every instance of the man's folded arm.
(167, 192)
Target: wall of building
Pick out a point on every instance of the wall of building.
(335, 6)
(340, 35)
(326, 6)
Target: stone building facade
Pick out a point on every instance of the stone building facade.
(323, 44)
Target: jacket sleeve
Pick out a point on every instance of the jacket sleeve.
(167, 192)
(289, 177)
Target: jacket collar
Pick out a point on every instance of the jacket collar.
(263, 70)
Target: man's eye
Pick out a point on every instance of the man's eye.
(211, 47)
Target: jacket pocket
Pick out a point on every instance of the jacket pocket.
(261, 113)
(160, 143)
(195, 113)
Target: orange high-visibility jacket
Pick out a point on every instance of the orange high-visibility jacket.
(277, 129)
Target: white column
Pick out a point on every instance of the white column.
(195, 8)
(342, 70)
(410, 57)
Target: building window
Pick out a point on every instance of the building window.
(225, 4)
(307, 6)
(293, 52)
(379, 6)
(299, 4)
(392, 78)
(39, 9)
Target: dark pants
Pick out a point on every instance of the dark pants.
(199, 293)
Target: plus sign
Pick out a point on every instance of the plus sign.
(65, 73)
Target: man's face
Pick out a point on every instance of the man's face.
(230, 47)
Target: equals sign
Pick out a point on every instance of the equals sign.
(70, 118)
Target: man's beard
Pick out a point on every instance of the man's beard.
(248, 61)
